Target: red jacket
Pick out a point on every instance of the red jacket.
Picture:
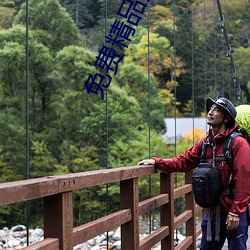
(241, 167)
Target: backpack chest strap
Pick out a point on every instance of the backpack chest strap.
(217, 159)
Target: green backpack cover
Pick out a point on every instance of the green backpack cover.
(243, 119)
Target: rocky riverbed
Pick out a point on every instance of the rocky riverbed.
(16, 238)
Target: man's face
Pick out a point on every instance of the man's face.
(215, 116)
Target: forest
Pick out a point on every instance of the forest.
(51, 124)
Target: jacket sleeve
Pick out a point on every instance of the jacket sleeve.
(241, 175)
(183, 163)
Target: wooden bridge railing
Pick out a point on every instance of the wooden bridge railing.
(59, 232)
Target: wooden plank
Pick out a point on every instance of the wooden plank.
(190, 205)
(152, 203)
(129, 196)
(198, 231)
(198, 209)
(90, 230)
(167, 210)
(182, 218)
(58, 219)
(154, 238)
(99, 177)
(178, 192)
(24, 190)
(198, 228)
(46, 244)
(185, 244)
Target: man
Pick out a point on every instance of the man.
(221, 115)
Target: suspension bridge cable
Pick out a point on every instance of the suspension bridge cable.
(174, 80)
(222, 68)
(229, 52)
(174, 71)
(149, 120)
(192, 74)
(27, 207)
(205, 50)
(215, 52)
(106, 119)
(229, 83)
(77, 13)
(175, 95)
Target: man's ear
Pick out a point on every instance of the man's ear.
(228, 118)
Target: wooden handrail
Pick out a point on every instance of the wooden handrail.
(56, 191)
(24, 190)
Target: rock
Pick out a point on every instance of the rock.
(18, 234)
(38, 232)
(3, 233)
(117, 234)
(111, 240)
(18, 228)
(103, 243)
(117, 244)
(111, 233)
(91, 242)
(13, 243)
(18, 247)
(100, 238)
(81, 246)
(23, 240)
(95, 248)
(16, 238)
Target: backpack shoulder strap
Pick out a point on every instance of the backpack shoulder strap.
(203, 152)
(227, 148)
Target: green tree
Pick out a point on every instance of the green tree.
(242, 64)
(12, 125)
(40, 60)
(124, 118)
(13, 148)
(132, 78)
(6, 17)
(161, 62)
(42, 163)
(53, 25)
(84, 13)
(160, 55)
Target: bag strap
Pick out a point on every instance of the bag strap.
(217, 223)
(227, 148)
(203, 152)
(227, 151)
(209, 225)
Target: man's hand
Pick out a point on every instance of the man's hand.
(232, 221)
(146, 162)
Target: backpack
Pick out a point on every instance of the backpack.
(243, 120)
(206, 185)
(206, 179)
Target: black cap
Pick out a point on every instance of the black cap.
(223, 103)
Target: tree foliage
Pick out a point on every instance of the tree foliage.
(53, 25)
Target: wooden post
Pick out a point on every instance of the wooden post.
(167, 210)
(129, 198)
(58, 219)
(190, 205)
